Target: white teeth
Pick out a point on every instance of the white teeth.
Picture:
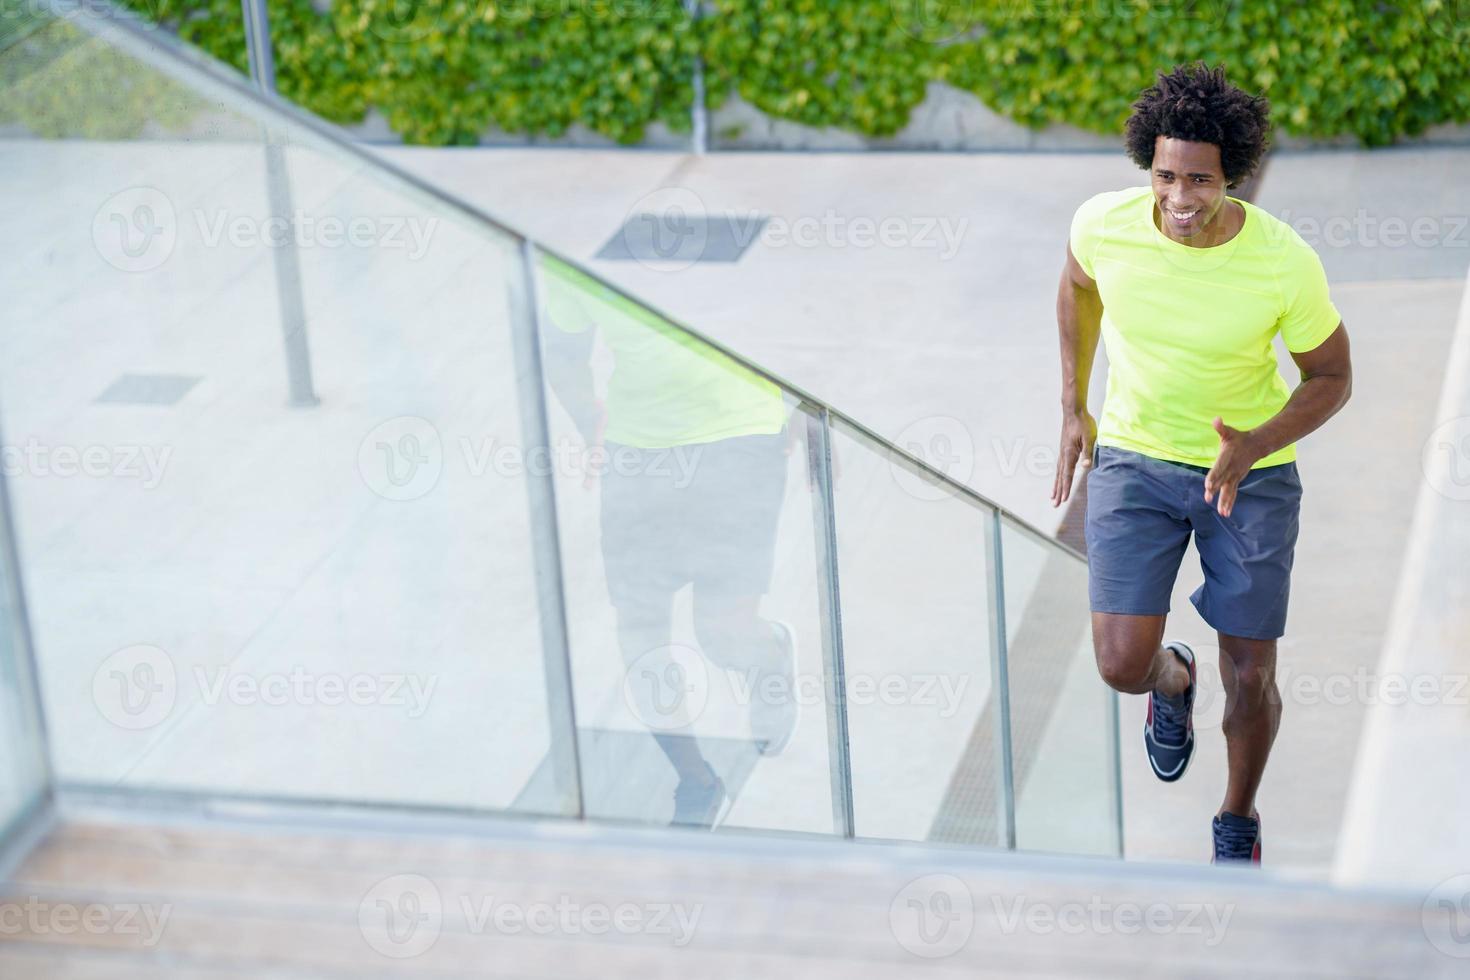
(1183, 215)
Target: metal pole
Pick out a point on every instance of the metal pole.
(699, 115)
(1001, 678)
(258, 45)
(1115, 762)
(556, 651)
(829, 597)
(278, 192)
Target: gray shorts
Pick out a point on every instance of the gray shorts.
(1140, 513)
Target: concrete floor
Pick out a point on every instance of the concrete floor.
(217, 899)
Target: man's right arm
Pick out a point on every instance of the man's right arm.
(1079, 323)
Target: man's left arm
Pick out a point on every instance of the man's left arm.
(1327, 382)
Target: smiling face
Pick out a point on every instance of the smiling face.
(1189, 190)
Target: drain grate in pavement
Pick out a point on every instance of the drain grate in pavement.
(148, 389)
(676, 236)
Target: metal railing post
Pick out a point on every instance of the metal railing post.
(556, 651)
(1001, 677)
(1115, 764)
(829, 599)
(278, 193)
(258, 52)
(699, 114)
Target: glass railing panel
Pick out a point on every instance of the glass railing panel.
(690, 567)
(285, 511)
(1062, 727)
(268, 550)
(23, 775)
(917, 641)
(217, 29)
(61, 81)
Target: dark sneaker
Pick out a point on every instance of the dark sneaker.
(774, 709)
(699, 800)
(1237, 839)
(1168, 732)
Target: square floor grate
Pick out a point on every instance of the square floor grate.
(148, 389)
(674, 236)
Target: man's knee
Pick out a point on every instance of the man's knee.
(1248, 668)
(1126, 669)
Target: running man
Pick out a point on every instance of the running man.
(1187, 287)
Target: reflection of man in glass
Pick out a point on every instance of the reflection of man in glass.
(695, 451)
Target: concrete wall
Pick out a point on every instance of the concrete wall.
(1405, 822)
(948, 119)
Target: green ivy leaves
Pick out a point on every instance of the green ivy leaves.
(444, 71)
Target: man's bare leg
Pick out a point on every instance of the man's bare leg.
(1252, 716)
(1131, 657)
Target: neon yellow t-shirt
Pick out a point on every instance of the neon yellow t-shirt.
(667, 387)
(1188, 330)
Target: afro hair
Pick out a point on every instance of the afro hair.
(1196, 103)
